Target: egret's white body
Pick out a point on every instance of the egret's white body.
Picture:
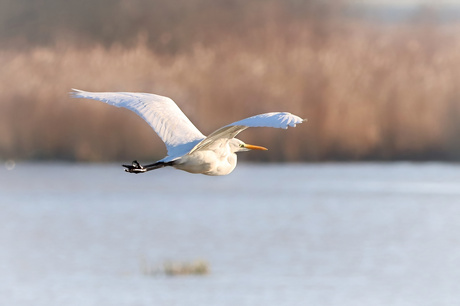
(188, 149)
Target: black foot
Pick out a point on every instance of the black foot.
(135, 168)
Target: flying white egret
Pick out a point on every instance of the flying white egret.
(188, 149)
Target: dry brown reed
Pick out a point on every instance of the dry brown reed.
(368, 92)
(175, 268)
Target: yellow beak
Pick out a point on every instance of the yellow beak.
(251, 147)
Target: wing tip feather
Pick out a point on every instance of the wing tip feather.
(76, 93)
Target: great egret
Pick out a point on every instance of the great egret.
(188, 149)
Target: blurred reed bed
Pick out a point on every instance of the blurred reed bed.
(175, 268)
(369, 92)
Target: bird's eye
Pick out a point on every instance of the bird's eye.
(241, 145)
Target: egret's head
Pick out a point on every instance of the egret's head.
(238, 146)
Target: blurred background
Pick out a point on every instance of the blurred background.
(377, 80)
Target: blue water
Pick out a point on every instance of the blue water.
(295, 234)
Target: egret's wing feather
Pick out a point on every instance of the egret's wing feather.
(275, 120)
(161, 113)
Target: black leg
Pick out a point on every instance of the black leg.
(138, 168)
(135, 167)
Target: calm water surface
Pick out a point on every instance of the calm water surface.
(296, 234)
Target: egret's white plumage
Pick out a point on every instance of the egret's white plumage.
(188, 149)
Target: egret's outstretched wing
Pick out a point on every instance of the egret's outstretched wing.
(161, 113)
(275, 120)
